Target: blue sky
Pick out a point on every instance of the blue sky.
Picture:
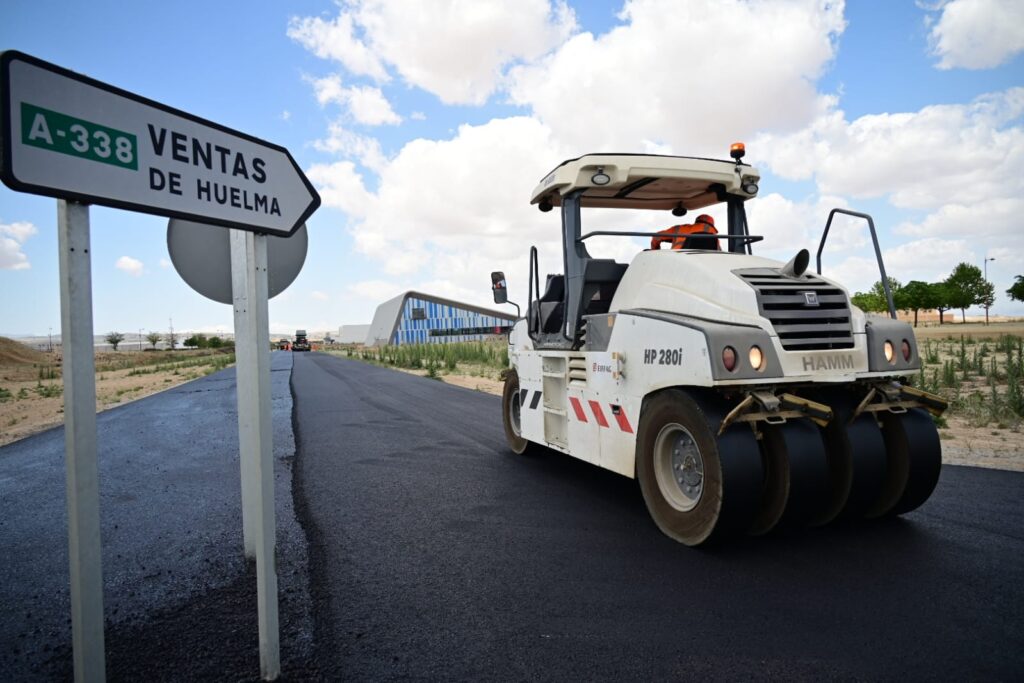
(426, 125)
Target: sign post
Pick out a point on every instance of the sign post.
(255, 439)
(84, 142)
(80, 442)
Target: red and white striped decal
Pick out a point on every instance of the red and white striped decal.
(595, 408)
(620, 417)
(580, 415)
(617, 412)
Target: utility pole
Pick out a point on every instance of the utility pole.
(987, 259)
(140, 339)
(49, 344)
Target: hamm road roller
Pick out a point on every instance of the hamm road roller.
(741, 392)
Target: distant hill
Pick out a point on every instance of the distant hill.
(16, 353)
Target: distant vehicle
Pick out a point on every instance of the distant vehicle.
(284, 345)
(301, 342)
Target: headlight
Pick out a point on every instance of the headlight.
(756, 358)
(890, 353)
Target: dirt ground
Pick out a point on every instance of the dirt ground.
(31, 387)
(971, 329)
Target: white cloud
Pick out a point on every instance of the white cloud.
(418, 116)
(658, 78)
(318, 295)
(344, 142)
(451, 211)
(376, 291)
(962, 153)
(999, 217)
(369, 106)
(930, 260)
(977, 34)
(455, 50)
(12, 237)
(285, 115)
(336, 40)
(366, 104)
(130, 265)
(328, 89)
(341, 187)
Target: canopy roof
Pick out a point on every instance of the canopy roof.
(644, 181)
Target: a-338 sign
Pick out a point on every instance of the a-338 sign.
(69, 136)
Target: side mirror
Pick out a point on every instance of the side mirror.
(499, 287)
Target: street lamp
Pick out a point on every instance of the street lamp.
(987, 259)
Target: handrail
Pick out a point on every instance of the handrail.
(878, 252)
(533, 279)
(748, 238)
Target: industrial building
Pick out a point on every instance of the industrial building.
(352, 334)
(415, 317)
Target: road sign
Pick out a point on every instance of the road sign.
(202, 258)
(72, 137)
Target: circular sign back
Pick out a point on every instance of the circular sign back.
(201, 254)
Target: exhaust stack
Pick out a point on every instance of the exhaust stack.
(797, 265)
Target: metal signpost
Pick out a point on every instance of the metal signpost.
(84, 142)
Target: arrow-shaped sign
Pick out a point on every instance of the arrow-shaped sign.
(69, 136)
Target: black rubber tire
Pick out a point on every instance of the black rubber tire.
(897, 466)
(731, 468)
(856, 458)
(510, 396)
(914, 433)
(796, 482)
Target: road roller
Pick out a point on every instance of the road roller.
(742, 393)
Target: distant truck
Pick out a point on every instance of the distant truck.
(301, 342)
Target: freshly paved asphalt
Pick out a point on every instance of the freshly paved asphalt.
(436, 553)
(179, 597)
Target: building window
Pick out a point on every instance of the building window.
(419, 314)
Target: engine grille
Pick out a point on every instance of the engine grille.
(806, 312)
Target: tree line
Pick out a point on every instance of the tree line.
(197, 341)
(965, 287)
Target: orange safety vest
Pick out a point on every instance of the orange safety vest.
(677, 235)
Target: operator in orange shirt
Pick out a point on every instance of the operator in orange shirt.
(678, 235)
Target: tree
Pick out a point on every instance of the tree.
(172, 340)
(966, 287)
(987, 297)
(115, 338)
(154, 338)
(919, 296)
(198, 341)
(875, 301)
(215, 342)
(868, 302)
(1016, 292)
(941, 293)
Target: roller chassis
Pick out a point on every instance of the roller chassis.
(588, 403)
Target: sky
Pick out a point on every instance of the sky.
(426, 125)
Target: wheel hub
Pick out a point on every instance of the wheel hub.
(516, 409)
(679, 467)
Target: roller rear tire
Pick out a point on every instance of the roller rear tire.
(511, 413)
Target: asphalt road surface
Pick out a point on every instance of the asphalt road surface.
(179, 599)
(435, 553)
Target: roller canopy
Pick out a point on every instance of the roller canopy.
(645, 181)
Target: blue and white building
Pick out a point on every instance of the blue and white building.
(418, 318)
